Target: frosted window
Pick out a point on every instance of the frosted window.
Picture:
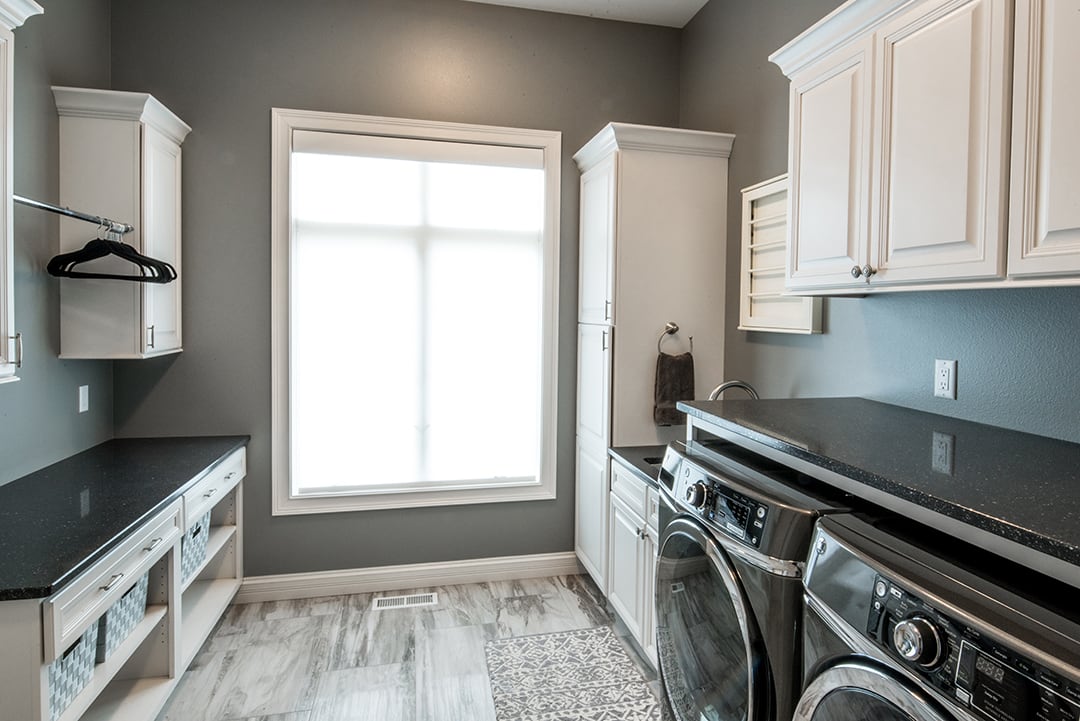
(415, 323)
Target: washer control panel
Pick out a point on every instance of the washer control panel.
(721, 506)
(988, 678)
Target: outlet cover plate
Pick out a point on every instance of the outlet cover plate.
(945, 379)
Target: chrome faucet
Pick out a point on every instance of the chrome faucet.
(719, 390)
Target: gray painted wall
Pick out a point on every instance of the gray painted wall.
(67, 45)
(221, 67)
(1017, 349)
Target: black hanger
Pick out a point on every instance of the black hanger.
(150, 269)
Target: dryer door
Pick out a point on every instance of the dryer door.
(855, 691)
(712, 661)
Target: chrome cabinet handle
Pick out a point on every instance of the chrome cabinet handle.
(230, 476)
(869, 270)
(18, 348)
(153, 544)
(209, 493)
(607, 310)
(603, 340)
(150, 343)
(112, 582)
(856, 271)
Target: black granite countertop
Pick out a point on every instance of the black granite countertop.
(54, 523)
(642, 460)
(1018, 486)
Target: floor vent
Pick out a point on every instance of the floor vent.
(386, 603)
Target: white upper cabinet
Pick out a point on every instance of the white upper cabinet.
(829, 158)
(899, 146)
(1044, 233)
(120, 158)
(13, 13)
(940, 144)
(596, 272)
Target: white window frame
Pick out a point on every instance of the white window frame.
(283, 123)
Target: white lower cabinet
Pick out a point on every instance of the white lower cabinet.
(632, 541)
(591, 509)
(52, 668)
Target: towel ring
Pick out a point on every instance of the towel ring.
(671, 329)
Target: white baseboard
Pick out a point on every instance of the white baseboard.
(393, 578)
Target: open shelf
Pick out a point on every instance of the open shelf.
(219, 538)
(131, 700)
(203, 604)
(104, 672)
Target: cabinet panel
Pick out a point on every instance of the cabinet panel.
(940, 145)
(1044, 234)
(594, 382)
(161, 239)
(829, 166)
(591, 509)
(597, 239)
(626, 566)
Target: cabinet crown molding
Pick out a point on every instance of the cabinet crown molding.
(846, 22)
(13, 13)
(119, 105)
(628, 136)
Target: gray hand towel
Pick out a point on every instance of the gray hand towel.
(674, 382)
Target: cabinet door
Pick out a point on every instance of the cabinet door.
(596, 268)
(7, 275)
(626, 566)
(161, 239)
(591, 509)
(941, 148)
(1044, 234)
(594, 383)
(829, 166)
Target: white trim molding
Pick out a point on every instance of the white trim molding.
(14, 13)
(396, 578)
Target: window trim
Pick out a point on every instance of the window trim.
(283, 123)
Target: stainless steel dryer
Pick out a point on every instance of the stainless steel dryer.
(734, 532)
(894, 631)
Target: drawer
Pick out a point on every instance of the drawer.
(213, 486)
(67, 613)
(628, 488)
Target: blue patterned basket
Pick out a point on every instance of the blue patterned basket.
(122, 618)
(69, 674)
(193, 546)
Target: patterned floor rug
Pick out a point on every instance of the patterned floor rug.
(580, 675)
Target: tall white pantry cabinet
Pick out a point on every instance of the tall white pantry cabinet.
(120, 158)
(652, 251)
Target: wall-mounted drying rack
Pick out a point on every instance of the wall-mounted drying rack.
(150, 269)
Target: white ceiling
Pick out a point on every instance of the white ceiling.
(672, 13)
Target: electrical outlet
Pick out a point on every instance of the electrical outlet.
(942, 452)
(945, 379)
(84, 399)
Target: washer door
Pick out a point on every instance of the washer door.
(855, 691)
(711, 658)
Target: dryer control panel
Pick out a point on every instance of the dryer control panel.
(988, 678)
(717, 503)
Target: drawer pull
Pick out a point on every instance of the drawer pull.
(112, 582)
(230, 476)
(153, 544)
(209, 493)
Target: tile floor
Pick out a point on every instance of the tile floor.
(337, 659)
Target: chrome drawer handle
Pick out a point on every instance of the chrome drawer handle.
(209, 493)
(230, 476)
(153, 544)
(112, 582)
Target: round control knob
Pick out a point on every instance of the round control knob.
(917, 640)
(697, 494)
(856, 271)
